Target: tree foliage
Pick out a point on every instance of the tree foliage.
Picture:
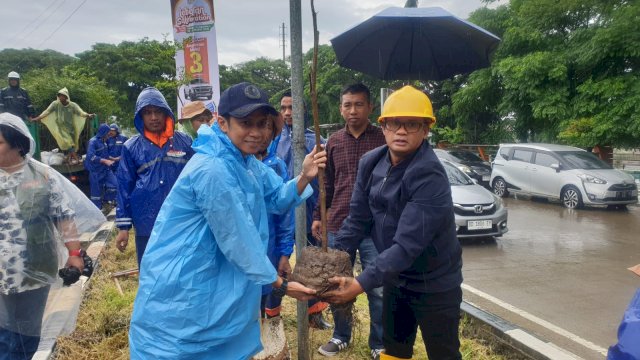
(565, 71)
(91, 94)
(24, 60)
(129, 67)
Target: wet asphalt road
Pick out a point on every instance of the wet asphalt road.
(567, 268)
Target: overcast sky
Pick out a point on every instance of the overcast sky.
(245, 29)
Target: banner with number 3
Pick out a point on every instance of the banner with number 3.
(197, 57)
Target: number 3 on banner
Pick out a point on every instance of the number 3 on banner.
(196, 65)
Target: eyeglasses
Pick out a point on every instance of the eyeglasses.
(411, 126)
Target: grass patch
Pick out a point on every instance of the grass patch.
(103, 321)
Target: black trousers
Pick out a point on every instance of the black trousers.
(438, 316)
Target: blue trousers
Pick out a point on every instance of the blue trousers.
(103, 186)
(20, 323)
(343, 319)
(141, 245)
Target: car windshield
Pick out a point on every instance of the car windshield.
(455, 175)
(583, 160)
(465, 155)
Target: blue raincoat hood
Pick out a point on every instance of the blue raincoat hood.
(212, 140)
(150, 96)
(115, 127)
(103, 130)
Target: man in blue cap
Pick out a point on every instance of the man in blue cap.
(115, 143)
(102, 181)
(202, 275)
(149, 166)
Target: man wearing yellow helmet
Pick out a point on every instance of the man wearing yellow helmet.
(402, 199)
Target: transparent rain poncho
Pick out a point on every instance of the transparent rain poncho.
(40, 211)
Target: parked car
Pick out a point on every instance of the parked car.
(479, 213)
(470, 163)
(572, 175)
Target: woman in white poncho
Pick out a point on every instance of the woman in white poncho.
(41, 214)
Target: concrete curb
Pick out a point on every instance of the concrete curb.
(60, 317)
(497, 330)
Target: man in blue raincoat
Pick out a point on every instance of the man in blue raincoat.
(102, 181)
(285, 152)
(201, 277)
(115, 143)
(149, 166)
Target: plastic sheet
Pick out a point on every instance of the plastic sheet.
(40, 211)
(65, 123)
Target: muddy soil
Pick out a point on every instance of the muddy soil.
(315, 267)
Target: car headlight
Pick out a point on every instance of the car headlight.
(591, 179)
(465, 168)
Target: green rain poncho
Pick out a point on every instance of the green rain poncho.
(65, 122)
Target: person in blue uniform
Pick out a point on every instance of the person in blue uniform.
(102, 182)
(149, 166)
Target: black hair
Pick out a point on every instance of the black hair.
(358, 88)
(15, 139)
(286, 93)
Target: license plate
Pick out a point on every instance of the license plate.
(479, 224)
(624, 194)
(486, 178)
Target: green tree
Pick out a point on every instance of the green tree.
(565, 71)
(273, 76)
(25, 60)
(91, 94)
(129, 67)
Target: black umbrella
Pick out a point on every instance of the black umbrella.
(414, 44)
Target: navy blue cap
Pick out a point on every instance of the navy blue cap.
(242, 99)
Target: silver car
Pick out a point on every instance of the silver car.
(572, 175)
(479, 213)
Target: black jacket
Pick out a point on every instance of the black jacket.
(15, 100)
(408, 211)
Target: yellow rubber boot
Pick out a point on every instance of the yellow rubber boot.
(384, 356)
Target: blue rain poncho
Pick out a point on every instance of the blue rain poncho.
(281, 227)
(284, 150)
(202, 272)
(628, 346)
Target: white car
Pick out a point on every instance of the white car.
(572, 175)
(478, 212)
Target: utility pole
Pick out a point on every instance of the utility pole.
(297, 92)
(283, 41)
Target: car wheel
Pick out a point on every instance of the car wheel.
(500, 187)
(571, 198)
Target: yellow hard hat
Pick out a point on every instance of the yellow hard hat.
(408, 101)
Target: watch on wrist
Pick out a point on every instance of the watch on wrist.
(282, 290)
(76, 252)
